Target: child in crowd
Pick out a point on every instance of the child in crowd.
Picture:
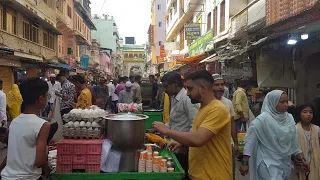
(28, 134)
(308, 134)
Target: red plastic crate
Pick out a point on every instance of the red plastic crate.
(64, 168)
(79, 146)
(79, 155)
(93, 168)
(79, 159)
(93, 158)
(64, 159)
(78, 167)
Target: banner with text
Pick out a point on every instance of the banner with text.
(192, 31)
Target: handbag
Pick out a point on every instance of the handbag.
(241, 137)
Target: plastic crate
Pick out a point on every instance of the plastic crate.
(78, 155)
(153, 116)
(79, 146)
(177, 175)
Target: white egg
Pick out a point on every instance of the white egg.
(82, 124)
(66, 125)
(88, 124)
(70, 123)
(94, 124)
(76, 124)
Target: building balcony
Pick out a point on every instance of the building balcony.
(85, 5)
(81, 39)
(25, 48)
(178, 21)
(36, 13)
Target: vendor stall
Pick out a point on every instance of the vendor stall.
(124, 152)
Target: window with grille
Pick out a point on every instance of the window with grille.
(222, 16)
(160, 24)
(35, 34)
(125, 55)
(69, 12)
(215, 21)
(51, 42)
(26, 30)
(182, 39)
(45, 39)
(1, 18)
(60, 5)
(11, 24)
(209, 21)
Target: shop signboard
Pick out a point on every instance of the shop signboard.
(84, 60)
(199, 46)
(162, 51)
(151, 34)
(83, 50)
(192, 31)
(160, 59)
(177, 57)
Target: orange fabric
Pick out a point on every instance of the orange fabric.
(193, 58)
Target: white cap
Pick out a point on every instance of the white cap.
(128, 84)
(52, 75)
(217, 77)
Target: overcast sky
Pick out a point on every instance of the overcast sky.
(132, 17)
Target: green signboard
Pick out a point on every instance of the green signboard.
(199, 45)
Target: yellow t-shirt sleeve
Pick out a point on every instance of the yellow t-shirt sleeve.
(215, 120)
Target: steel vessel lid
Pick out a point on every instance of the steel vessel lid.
(126, 117)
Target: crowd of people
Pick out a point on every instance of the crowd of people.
(202, 125)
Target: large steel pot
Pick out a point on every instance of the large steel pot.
(127, 133)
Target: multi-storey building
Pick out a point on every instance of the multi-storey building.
(107, 35)
(28, 36)
(74, 21)
(157, 34)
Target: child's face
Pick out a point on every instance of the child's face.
(306, 115)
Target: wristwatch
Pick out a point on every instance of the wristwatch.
(245, 163)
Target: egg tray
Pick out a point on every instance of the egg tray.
(82, 133)
(74, 119)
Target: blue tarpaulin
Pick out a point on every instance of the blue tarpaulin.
(84, 62)
(63, 66)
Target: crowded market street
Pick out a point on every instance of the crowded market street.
(159, 89)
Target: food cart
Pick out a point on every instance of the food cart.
(121, 154)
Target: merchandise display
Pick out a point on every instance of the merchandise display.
(84, 123)
(133, 107)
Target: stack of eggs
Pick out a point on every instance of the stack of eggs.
(83, 123)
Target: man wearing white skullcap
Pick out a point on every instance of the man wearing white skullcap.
(219, 90)
(126, 95)
(53, 87)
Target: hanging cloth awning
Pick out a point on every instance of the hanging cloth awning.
(61, 66)
(193, 58)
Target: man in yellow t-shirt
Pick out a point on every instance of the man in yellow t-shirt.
(210, 156)
(85, 97)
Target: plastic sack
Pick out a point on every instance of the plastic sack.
(122, 107)
(113, 162)
(106, 147)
